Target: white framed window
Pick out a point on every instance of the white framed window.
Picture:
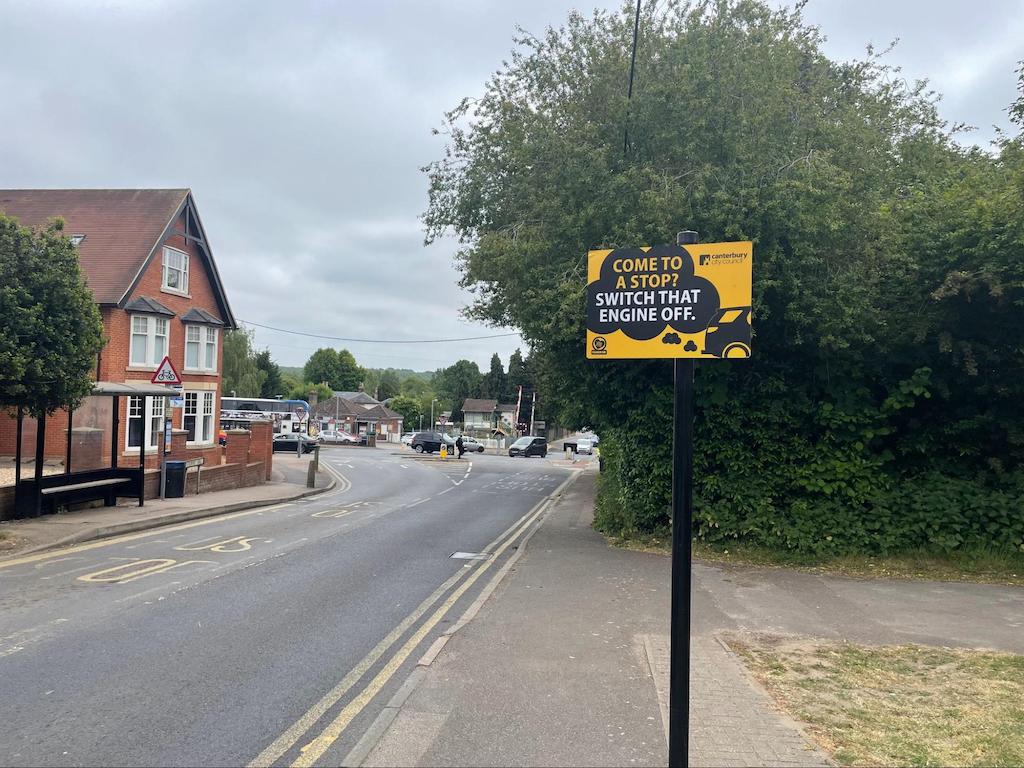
(175, 270)
(198, 418)
(149, 340)
(201, 348)
(148, 425)
(210, 349)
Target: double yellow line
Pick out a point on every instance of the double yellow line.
(315, 749)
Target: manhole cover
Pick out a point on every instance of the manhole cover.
(470, 555)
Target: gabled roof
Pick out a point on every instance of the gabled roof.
(479, 406)
(358, 397)
(199, 316)
(149, 305)
(338, 406)
(505, 407)
(122, 228)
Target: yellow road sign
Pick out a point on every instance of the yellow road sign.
(670, 301)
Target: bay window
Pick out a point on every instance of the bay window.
(201, 348)
(149, 340)
(198, 418)
(148, 425)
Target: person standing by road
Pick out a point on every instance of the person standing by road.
(459, 446)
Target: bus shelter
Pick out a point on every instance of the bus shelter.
(90, 469)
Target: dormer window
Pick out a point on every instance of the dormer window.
(175, 271)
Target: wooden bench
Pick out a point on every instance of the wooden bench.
(94, 485)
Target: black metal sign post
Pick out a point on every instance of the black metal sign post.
(666, 302)
(682, 524)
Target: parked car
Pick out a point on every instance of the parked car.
(584, 446)
(470, 445)
(529, 446)
(337, 437)
(289, 441)
(428, 442)
(407, 438)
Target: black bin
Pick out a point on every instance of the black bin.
(175, 486)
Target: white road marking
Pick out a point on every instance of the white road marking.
(417, 503)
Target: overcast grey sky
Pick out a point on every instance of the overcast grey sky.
(301, 127)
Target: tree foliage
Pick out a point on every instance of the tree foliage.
(455, 383)
(494, 385)
(389, 385)
(411, 410)
(337, 368)
(242, 373)
(881, 407)
(273, 384)
(50, 326)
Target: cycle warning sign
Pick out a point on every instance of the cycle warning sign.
(670, 301)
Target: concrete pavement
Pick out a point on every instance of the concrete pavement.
(287, 484)
(568, 663)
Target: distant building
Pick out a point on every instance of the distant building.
(360, 415)
(478, 415)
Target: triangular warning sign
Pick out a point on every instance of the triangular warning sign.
(165, 373)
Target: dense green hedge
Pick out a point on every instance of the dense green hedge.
(883, 408)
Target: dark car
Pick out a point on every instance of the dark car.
(288, 441)
(428, 442)
(529, 446)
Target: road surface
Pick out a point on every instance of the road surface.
(264, 637)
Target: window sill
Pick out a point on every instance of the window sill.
(176, 293)
(142, 368)
(199, 446)
(199, 372)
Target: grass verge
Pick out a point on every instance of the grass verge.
(980, 566)
(897, 705)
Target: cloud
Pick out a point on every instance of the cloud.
(301, 129)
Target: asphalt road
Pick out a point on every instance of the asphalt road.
(264, 637)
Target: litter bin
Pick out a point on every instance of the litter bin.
(175, 485)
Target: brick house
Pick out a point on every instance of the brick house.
(147, 260)
(359, 414)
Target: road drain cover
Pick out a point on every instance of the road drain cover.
(470, 555)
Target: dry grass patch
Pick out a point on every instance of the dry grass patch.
(898, 705)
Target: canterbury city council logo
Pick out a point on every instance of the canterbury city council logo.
(599, 346)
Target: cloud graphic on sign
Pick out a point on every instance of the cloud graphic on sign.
(690, 346)
(704, 300)
(671, 338)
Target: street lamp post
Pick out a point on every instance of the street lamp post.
(432, 422)
(421, 422)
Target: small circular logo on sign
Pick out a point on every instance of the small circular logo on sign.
(599, 345)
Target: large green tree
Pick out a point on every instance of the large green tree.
(273, 384)
(322, 367)
(411, 410)
(350, 375)
(389, 385)
(241, 372)
(456, 383)
(494, 384)
(516, 377)
(881, 407)
(50, 326)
